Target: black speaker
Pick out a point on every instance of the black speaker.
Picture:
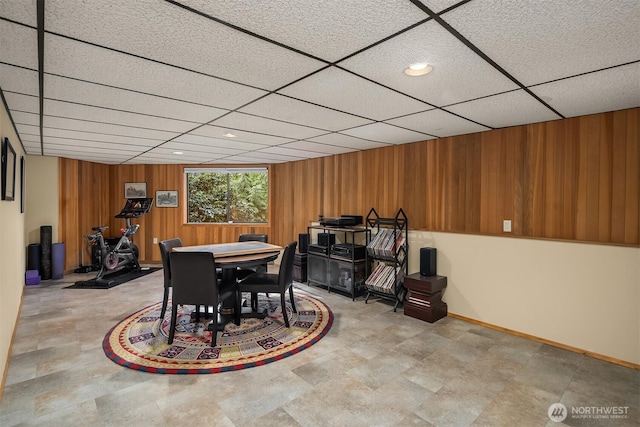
(428, 261)
(303, 242)
(326, 239)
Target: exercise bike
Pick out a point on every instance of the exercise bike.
(124, 254)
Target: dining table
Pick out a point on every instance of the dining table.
(229, 257)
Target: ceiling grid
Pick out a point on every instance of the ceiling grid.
(245, 82)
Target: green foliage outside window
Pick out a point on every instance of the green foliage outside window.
(227, 196)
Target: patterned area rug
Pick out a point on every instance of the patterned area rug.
(140, 341)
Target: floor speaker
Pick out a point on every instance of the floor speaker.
(428, 261)
(303, 242)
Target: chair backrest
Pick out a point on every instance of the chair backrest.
(285, 274)
(253, 238)
(166, 246)
(194, 279)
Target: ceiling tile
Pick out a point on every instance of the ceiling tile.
(24, 130)
(91, 146)
(458, 73)
(19, 102)
(199, 141)
(109, 140)
(614, 89)
(509, 109)
(292, 152)
(294, 111)
(438, 6)
(103, 115)
(91, 94)
(317, 147)
(383, 132)
(20, 80)
(188, 147)
(23, 11)
(241, 136)
(347, 141)
(438, 123)
(330, 29)
(19, 45)
(267, 126)
(22, 118)
(105, 128)
(170, 34)
(538, 41)
(111, 157)
(187, 156)
(344, 91)
(82, 61)
(239, 160)
(261, 157)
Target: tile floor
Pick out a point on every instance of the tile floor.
(374, 368)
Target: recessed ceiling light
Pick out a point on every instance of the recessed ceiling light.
(418, 69)
(229, 135)
(178, 152)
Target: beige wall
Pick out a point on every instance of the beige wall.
(42, 197)
(581, 295)
(12, 251)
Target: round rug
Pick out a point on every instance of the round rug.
(140, 341)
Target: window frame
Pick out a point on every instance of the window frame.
(228, 171)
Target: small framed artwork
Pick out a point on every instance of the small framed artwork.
(8, 171)
(22, 184)
(135, 190)
(166, 199)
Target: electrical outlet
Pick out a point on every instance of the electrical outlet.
(506, 226)
(155, 240)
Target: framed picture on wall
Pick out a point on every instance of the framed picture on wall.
(135, 190)
(8, 171)
(166, 199)
(22, 183)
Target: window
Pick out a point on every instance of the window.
(227, 195)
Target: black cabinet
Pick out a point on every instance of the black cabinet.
(337, 258)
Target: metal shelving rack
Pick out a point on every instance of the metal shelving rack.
(390, 257)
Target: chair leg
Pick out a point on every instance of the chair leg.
(293, 303)
(165, 301)
(237, 304)
(284, 310)
(254, 301)
(172, 327)
(214, 332)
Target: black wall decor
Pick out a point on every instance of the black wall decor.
(8, 171)
(22, 183)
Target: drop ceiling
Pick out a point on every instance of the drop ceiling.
(134, 82)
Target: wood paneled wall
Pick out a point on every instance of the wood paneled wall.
(573, 179)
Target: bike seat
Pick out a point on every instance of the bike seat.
(100, 229)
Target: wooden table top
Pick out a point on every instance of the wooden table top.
(234, 249)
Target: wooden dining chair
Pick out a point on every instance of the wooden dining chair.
(195, 282)
(264, 282)
(166, 246)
